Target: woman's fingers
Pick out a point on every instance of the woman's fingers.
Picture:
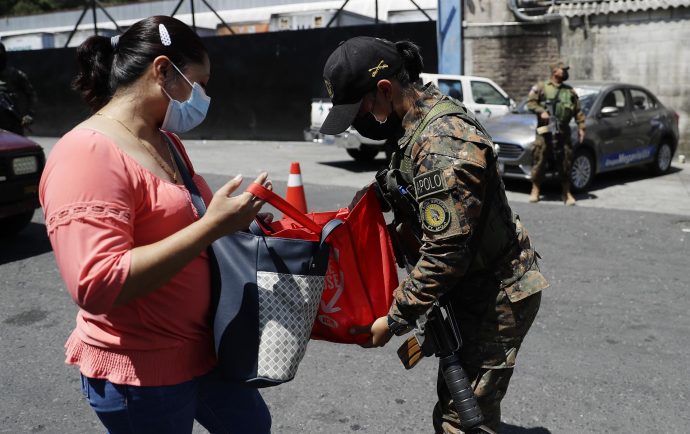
(230, 186)
(262, 178)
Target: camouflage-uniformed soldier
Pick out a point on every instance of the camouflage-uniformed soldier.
(447, 169)
(554, 96)
(17, 97)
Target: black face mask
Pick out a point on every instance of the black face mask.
(367, 125)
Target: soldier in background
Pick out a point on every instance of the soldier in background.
(17, 97)
(562, 100)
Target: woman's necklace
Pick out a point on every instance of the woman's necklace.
(170, 169)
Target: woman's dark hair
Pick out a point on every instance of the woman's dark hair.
(104, 67)
(413, 64)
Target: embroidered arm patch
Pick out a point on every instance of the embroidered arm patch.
(429, 183)
(435, 215)
(442, 218)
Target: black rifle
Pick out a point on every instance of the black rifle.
(437, 332)
(552, 132)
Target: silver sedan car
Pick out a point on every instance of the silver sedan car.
(626, 125)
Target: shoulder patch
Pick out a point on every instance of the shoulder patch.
(435, 215)
(429, 183)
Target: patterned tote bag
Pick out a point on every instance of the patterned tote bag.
(267, 291)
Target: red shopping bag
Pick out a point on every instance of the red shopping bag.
(361, 276)
(362, 272)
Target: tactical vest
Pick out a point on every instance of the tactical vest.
(496, 234)
(565, 107)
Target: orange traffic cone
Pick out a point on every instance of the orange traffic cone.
(295, 189)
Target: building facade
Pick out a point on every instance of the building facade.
(642, 42)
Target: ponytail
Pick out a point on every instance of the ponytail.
(94, 63)
(413, 64)
(108, 64)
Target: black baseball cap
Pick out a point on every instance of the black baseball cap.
(351, 72)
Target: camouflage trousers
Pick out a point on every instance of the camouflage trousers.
(492, 330)
(544, 150)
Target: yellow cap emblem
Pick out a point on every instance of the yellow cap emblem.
(329, 87)
(375, 70)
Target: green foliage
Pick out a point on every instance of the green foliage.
(27, 7)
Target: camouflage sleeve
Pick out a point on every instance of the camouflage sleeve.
(448, 187)
(534, 103)
(579, 115)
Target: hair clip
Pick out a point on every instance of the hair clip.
(114, 41)
(165, 36)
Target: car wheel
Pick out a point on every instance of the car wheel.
(11, 225)
(662, 160)
(363, 154)
(582, 170)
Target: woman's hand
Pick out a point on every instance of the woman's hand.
(227, 214)
(378, 331)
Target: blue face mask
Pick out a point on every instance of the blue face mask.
(183, 116)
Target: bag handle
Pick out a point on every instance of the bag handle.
(282, 205)
(174, 145)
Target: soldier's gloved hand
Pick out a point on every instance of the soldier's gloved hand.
(27, 120)
(379, 333)
(545, 115)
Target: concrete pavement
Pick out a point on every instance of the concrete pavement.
(629, 189)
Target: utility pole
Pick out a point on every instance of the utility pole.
(449, 36)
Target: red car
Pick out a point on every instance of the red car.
(21, 164)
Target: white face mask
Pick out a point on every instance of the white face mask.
(183, 116)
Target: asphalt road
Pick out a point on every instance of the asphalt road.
(607, 353)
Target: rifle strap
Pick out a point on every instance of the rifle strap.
(445, 107)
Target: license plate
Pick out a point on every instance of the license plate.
(328, 139)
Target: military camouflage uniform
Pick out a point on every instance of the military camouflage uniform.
(496, 295)
(567, 107)
(17, 98)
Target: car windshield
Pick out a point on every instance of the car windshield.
(586, 100)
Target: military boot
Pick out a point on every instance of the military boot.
(567, 197)
(534, 195)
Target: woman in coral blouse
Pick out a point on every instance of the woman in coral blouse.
(130, 245)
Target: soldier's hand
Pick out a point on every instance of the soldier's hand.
(27, 120)
(581, 135)
(545, 115)
(378, 331)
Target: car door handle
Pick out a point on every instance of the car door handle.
(478, 112)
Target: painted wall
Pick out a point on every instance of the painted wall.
(649, 48)
(513, 54)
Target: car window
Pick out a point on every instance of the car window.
(615, 98)
(484, 93)
(451, 88)
(641, 100)
(586, 103)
